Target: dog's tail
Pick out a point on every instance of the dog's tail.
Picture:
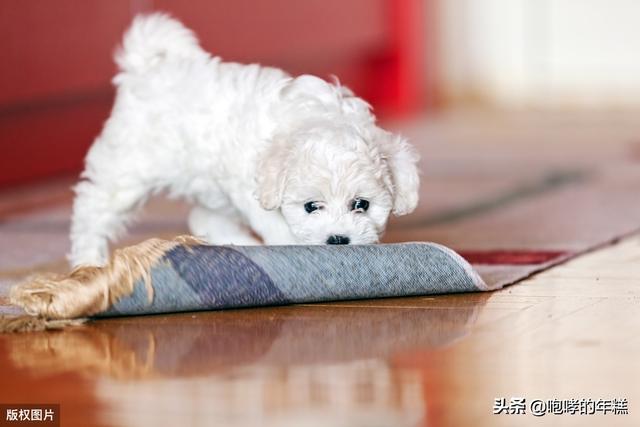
(153, 39)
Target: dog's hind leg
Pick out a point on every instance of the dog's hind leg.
(219, 227)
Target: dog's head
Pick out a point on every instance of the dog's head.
(334, 174)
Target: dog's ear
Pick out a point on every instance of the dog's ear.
(402, 162)
(271, 174)
(307, 87)
(311, 92)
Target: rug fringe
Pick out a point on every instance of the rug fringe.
(15, 324)
(88, 290)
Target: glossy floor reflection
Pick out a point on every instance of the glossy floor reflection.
(302, 365)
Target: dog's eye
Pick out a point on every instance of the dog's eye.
(312, 206)
(360, 205)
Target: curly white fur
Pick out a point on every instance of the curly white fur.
(248, 145)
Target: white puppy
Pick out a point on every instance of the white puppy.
(298, 160)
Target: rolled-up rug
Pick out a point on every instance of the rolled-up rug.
(184, 274)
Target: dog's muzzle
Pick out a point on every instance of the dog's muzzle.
(338, 240)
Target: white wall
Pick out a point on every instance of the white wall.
(541, 53)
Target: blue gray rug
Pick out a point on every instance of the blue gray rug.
(188, 278)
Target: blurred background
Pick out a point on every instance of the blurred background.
(525, 113)
(409, 58)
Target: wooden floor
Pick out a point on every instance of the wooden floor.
(567, 334)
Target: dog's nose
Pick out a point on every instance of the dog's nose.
(338, 240)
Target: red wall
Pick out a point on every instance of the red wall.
(57, 63)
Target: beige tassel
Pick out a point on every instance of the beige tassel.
(9, 324)
(87, 290)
